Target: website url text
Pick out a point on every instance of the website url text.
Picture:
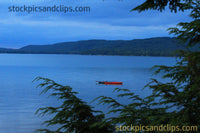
(55, 8)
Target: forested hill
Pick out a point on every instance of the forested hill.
(6, 50)
(160, 46)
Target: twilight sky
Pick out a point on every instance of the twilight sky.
(107, 19)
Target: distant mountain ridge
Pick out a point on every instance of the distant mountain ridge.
(159, 46)
(3, 50)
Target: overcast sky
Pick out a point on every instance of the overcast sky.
(107, 19)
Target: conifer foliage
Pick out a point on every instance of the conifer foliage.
(74, 115)
(175, 102)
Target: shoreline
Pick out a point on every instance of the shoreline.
(85, 54)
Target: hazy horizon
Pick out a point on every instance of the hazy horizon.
(81, 40)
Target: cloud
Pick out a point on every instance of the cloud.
(108, 19)
(25, 32)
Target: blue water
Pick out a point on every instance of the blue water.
(19, 97)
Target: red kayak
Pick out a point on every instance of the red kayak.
(110, 83)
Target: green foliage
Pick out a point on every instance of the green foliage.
(187, 71)
(189, 32)
(160, 5)
(137, 111)
(74, 115)
(175, 102)
(160, 46)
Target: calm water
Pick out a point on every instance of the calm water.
(19, 97)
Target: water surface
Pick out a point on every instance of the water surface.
(19, 97)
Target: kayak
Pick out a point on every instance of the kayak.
(110, 83)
